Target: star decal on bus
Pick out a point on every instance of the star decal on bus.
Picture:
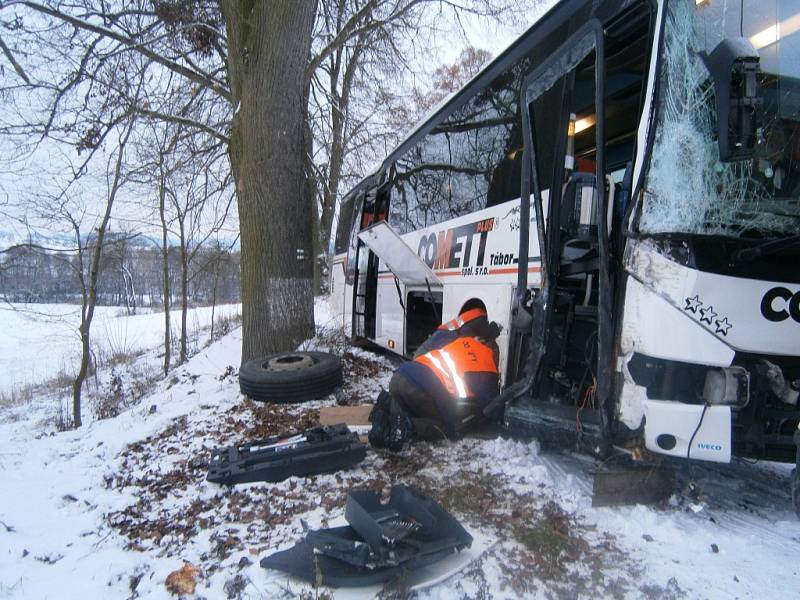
(692, 304)
(707, 315)
(723, 326)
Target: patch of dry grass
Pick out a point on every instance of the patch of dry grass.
(25, 394)
(541, 548)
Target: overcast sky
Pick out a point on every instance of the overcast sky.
(51, 160)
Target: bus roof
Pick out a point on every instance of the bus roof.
(516, 50)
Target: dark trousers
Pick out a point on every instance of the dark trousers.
(435, 413)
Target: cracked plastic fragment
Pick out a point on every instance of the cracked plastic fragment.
(384, 540)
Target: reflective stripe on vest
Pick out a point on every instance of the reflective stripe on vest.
(450, 363)
(461, 389)
(463, 318)
(432, 357)
(454, 324)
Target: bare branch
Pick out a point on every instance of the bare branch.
(187, 72)
(178, 120)
(17, 67)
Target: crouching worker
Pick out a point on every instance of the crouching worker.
(445, 388)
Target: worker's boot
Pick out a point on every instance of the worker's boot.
(401, 427)
(401, 432)
(380, 418)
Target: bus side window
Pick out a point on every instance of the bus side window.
(382, 204)
(469, 161)
(368, 214)
(353, 246)
(344, 225)
(546, 110)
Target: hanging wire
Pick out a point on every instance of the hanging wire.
(741, 19)
(691, 441)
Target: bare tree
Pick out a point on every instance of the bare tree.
(364, 51)
(193, 200)
(257, 65)
(219, 258)
(269, 45)
(200, 202)
(119, 289)
(89, 281)
(89, 230)
(245, 69)
(163, 177)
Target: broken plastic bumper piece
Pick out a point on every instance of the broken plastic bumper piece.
(315, 451)
(383, 541)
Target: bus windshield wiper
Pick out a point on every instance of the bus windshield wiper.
(745, 255)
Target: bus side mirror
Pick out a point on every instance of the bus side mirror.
(734, 66)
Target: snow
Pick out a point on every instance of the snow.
(40, 341)
(110, 510)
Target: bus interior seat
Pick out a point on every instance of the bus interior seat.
(582, 229)
(580, 255)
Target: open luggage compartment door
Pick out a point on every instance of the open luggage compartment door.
(397, 255)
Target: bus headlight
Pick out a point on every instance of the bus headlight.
(728, 386)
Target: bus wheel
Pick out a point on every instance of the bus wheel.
(291, 376)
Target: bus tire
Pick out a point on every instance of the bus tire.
(290, 377)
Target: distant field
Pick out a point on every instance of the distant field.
(39, 341)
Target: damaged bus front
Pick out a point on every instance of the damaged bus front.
(620, 190)
(693, 343)
(711, 319)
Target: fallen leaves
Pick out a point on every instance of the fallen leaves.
(183, 581)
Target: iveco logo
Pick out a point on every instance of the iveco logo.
(704, 446)
(781, 303)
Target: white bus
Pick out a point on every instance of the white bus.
(659, 307)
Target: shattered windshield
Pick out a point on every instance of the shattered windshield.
(688, 189)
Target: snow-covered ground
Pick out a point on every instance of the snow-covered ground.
(40, 341)
(111, 510)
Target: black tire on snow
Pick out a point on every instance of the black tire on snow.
(291, 377)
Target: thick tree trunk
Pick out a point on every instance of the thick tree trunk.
(269, 45)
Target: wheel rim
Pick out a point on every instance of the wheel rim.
(288, 362)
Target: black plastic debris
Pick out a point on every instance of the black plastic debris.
(315, 451)
(382, 542)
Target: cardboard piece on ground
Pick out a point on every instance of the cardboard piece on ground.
(355, 417)
(349, 415)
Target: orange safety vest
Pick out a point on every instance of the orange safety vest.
(462, 319)
(453, 361)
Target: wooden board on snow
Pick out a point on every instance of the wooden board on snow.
(349, 415)
(619, 486)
